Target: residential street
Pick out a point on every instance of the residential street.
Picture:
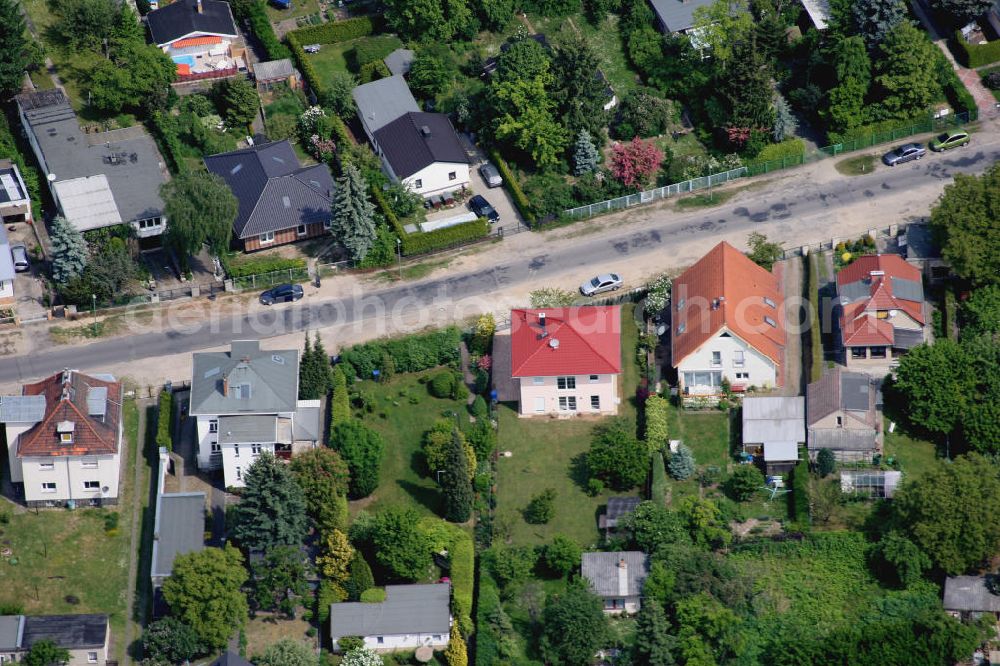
(801, 206)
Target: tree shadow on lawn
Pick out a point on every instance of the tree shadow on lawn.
(579, 471)
(427, 496)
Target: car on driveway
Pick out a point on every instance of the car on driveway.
(490, 175)
(601, 283)
(283, 293)
(952, 139)
(19, 253)
(481, 207)
(905, 153)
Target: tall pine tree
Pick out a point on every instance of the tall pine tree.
(69, 249)
(353, 214)
(15, 48)
(272, 510)
(456, 482)
(653, 643)
(585, 155)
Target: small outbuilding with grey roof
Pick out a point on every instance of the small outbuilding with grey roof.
(971, 597)
(773, 428)
(617, 578)
(843, 414)
(412, 616)
(178, 525)
(676, 16)
(399, 61)
(616, 511)
(271, 72)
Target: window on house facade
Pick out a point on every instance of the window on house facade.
(769, 303)
(418, 183)
(716, 359)
(213, 425)
(380, 640)
(150, 223)
(452, 175)
(301, 230)
(236, 450)
(437, 638)
(858, 352)
(48, 487)
(92, 657)
(877, 352)
(566, 383)
(538, 381)
(266, 237)
(595, 402)
(567, 403)
(770, 322)
(91, 485)
(595, 378)
(738, 358)
(89, 464)
(703, 378)
(881, 314)
(255, 449)
(65, 438)
(840, 421)
(243, 391)
(216, 447)
(742, 375)
(239, 473)
(327, 225)
(46, 467)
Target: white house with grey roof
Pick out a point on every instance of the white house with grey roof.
(85, 637)
(245, 402)
(99, 179)
(773, 428)
(178, 525)
(411, 616)
(617, 578)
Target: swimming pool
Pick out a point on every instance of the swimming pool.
(184, 60)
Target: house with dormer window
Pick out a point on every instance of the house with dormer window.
(727, 320)
(245, 402)
(64, 437)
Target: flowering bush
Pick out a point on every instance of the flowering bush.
(322, 149)
(310, 119)
(658, 294)
(635, 162)
(485, 362)
(362, 656)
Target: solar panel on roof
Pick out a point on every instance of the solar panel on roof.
(97, 401)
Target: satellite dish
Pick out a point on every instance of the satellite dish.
(554, 343)
(892, 313)
(105, 490)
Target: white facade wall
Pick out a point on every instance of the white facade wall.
(83, 657)
(6, 290)
(236, 458)
(14, 431)
(70, 473)
(540, 395)
(406, 642)
(757, 369)
(619, 605)
(436, 179)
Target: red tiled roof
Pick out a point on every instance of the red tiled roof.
(66, 396)
(740, 286)
(866, 331)
(196, 41)
(855, 328)
(574, 341)
(892, 265)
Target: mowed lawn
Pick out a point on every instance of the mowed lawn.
(404, 410)
(915, 456)
(66, 562)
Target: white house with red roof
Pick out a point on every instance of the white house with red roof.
(727, 322)
(64, 437)
(882, 310)
(565, 361)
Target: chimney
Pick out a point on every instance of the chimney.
(225, 385)
(541, 319)
(622, 578)
(201, 10)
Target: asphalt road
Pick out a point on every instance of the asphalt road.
(792, 205)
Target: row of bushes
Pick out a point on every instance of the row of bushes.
(488, 649)
(656, 411)
(958, 96)
(658, 486)
(462, 573)
(335, 31)
(516, 193)
(812, 298)
(789, 149)
(412, 353)
(304, 64)
(264, 31)
(441, 239)
(164, 412)
(242, 266)
(974, 55)
(799, 499)
(170, 144)
(387, 212)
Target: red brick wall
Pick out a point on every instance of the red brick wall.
(284, 237)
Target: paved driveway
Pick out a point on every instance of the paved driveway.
(497, 196)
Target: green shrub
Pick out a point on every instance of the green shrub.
(335, 31)
(244, 266)
(165, 130)
(373, 71)
(658, 487)
(974, 55)
(375, 595)
(460, 391)
(826, 462)
(800, 493)
(412, 353)
(164, 413)
(790, 150)
(111, 521)
(657, 412)
(348, 643)
(479, 408)
(262, 28)
(541, 508)
(440, 239)
(594, 487)
(514, 187)
(372, 49)
(442, 385)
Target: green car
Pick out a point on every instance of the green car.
(950, 140)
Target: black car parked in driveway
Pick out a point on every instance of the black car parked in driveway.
(481, 207)
(283, 293)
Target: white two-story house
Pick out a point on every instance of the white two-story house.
(564, 361)
(727, 321)
(64, 438)
(246, 402)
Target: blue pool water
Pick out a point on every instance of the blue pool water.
(184, 60)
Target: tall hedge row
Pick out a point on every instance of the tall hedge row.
(658, 486)
(410, 354)
(264, 31)
(656, 410)
(800, 493)
(169, 143)
(487, 640)
(440, 239)
(463, 572)
(335, 31)
(510, 182)
(974, 55)
(164, 419)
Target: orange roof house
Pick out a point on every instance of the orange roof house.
(882, 311)
(91, 406)
(727, 322)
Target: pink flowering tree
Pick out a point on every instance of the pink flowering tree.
(634, 163)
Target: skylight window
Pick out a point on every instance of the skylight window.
(769, 303)
(770, 322)
(680, 329)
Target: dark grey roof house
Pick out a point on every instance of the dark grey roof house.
(380, 102)
(97, 179)
(411, 616)
(843, 414)
(85, 637)
(964, 595)
(676, 15)
(189, 18)
(617, 510)
(280, 201)
(617, 578)
(416, 140)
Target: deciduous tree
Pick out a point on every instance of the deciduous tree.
(45, 653)
(69, 250)
(642, 113)
(763, 252)
(337, 96)
(201, 209)
(907, 55)
(573, 627)
(904, 560)
(279, 579)
(578, 90)
(495, 14)
(636, 162)
(980, 313)
(324, 477)
(205, 592)
(524, 118)
(135, 75)
(562, 555)
(334, 562)
(353, 222)
(170, 641)
(399, 545)
(362, 449)
(15, 48)
(287, 652)
(616, 456)
(272, 508)
(429, 74)
(744, 482)
(964, 218)
(721, 26)
(846, 109)
(238, 100)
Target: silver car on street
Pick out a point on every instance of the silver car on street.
(601, 283)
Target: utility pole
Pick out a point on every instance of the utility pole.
(399, 256)
(93, 300)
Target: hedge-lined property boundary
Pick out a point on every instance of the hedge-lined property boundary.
(335, 31)
(429, 241)
(170, 143)
(262, 28)
(974, 55)
(259, 265)
(510, 182)
(164, 413)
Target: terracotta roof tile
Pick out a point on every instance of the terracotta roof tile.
(867, 330)
(745, 293)
(66, 399)
(887, 268)
(574, 341)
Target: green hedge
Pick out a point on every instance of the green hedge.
(164, 412)
(487, 641)
(387, 212)
(305, 65)
(974, 55)
(373, 71)
(462, 573)
(412, 353)
(958, 96)
(800, 493)
(165, 131)
(510, 182)
(373, 49)
(262, 28)
(441, 239)
(245, 266)
(335, 31)
(919, 123)
(658, 486)
(656, 411)
(789, 148)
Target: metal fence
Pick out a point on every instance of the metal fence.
(930, 124)
(272, 278)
